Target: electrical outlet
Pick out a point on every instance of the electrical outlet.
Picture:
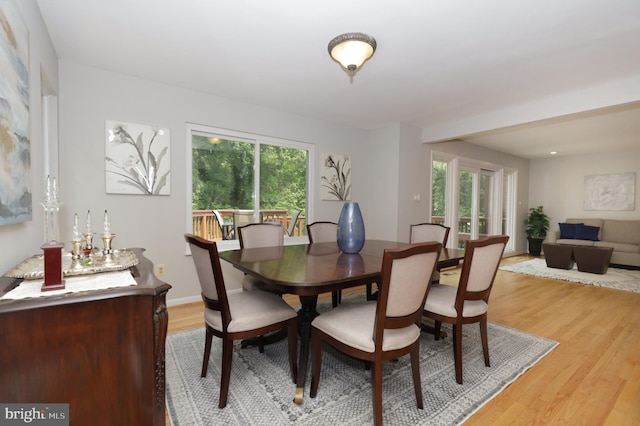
(160, 270)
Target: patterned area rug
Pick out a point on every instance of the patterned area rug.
(620, 279)
(261, 391)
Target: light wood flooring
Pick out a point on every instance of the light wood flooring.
(591, 378)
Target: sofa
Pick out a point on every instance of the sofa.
(622, 235)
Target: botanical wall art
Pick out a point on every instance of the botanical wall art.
(137, 159)
(15, 145)
(336, 177)
(610, 192)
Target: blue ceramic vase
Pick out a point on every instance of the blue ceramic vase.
(350, 229)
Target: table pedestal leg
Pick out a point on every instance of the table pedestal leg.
(306, 314)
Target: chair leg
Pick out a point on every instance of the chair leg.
(437, 327)
(207, 352)
(485, 342)
(415, 368)
(227, 357)
(335, 298)
(293, 349)
(457, 351)
(261, 344)
(316, 362)
(376, 378)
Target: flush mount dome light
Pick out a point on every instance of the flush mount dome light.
(351, 50)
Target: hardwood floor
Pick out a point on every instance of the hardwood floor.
(591, 378)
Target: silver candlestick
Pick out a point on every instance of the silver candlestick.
(77, 256)
(88, 241)
(106, 243)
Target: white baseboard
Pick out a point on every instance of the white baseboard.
(192, 299)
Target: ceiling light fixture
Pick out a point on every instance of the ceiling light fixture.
(351, 50)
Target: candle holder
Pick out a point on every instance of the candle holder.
(77, 250)
(52, 266)
(88, 242)
(106, 244)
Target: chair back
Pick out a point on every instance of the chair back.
(480, 266)
(242, 218)
(405, 281)
(322, 232)
(207, 263)
(424, 232)
(294, 221)
(261, 235)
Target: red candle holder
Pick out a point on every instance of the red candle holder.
(52, 266)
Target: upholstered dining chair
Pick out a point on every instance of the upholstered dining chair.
(382, 330)
(257, 235)
(243, 218)
(234, 316)
(325, 232)
(423, 232)
(468, 302)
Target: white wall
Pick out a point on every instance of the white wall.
(380, 160)
(557, 183)
(90, 96)
(19, 241)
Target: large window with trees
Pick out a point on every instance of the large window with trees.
(263, 178)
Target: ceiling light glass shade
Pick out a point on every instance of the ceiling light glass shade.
(351, 50)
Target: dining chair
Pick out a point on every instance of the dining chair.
(325, 232)
(234, 316)
(257, 235)
(242, 218)
(292, 224)
(382, 330)
(423, 232)
(468, 302)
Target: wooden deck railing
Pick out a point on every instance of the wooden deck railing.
(206, 226)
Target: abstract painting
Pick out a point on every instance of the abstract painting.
(137, 159)
(15, 145)
(614, 191)
(336, 177)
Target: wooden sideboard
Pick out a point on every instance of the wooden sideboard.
(102, 352)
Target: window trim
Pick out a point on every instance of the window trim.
(200, 129)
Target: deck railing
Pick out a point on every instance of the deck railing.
(206, 226)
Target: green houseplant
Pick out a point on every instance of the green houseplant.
(536, 227)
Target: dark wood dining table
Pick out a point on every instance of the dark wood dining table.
(308, 270)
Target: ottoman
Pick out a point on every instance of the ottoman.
(559, 256)
(592, 259)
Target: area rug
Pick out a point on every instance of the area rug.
(621, 279)
(261, 391)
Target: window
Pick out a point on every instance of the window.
(265, 179)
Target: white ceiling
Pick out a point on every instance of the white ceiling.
(437, 61)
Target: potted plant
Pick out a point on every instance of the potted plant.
(536, 227)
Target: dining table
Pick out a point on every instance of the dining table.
(308, 270)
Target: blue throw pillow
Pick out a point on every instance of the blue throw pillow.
(568, 230)
(586, 232)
